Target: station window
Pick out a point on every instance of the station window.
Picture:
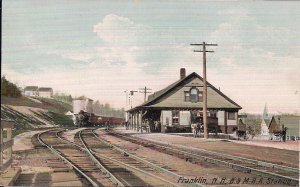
(175, 117)
(231, 115)
(186, 96)
(200, 97)
(194, 95)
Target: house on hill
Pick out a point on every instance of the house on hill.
(290, 121)
(34, 91)
(45, 92)
(31, 91)
(180, 104)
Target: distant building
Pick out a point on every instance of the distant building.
(83, 104)
(265, 122)
(34, 91)
(290, 121)
(31, 91)
(45, 92)
(180, 104)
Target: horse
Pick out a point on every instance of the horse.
(241, 134)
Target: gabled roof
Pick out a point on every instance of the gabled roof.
(292, 122)
(44, 89)
(31, 88)
(161, 93)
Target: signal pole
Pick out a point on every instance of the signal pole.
(145, 92)
(131, 97)
(127, 97)
(204, 106)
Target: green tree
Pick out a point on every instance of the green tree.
(9, 89)
(63, 97)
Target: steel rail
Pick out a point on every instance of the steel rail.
(253, 161)
(102, 168)
(59, 155)
(129, 166)
(212, 160)
(119, 162)
(133, 168)
(154, 166)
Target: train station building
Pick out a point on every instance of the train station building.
(179, 105)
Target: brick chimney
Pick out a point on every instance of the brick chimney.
(182, 73)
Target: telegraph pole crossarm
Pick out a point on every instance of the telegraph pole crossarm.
(145, 91)
(202, 51)
(205, 44)
(204, 106)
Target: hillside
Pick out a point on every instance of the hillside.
(34, 113)
(37, 102)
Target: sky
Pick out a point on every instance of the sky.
(102, 48)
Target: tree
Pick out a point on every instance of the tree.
(96, 107)
(9, 89)
(81, 97)
(63, 97)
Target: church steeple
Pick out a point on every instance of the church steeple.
(265, 114)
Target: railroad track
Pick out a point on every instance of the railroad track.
(86, 168)
(264, 169)
(127, 169)
(119, 164)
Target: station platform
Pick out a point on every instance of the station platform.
(282, 152)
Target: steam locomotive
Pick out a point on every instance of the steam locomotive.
(84, 119)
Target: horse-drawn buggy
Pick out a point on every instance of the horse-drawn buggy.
(280, 134)
(241, 131)
(198, 128)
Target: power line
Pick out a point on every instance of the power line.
(204, 51)
(144, 90)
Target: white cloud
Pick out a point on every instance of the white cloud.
(135, 55)
(118, 30)
(251, 69)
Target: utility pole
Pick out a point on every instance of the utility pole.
(204, 106)
(144, 90)
(127, 98)
(131, 97)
